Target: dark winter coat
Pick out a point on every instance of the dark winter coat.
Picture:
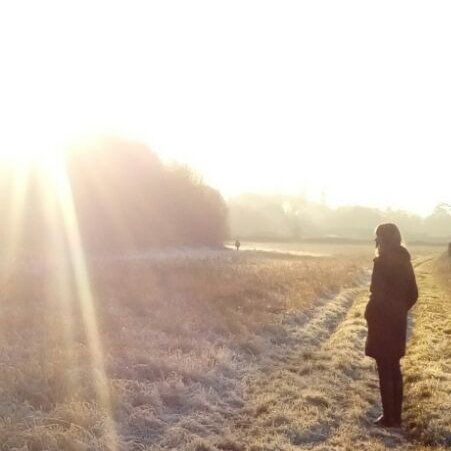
(393, 292)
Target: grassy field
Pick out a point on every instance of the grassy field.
(149, 355)
(333, 249)
(428, 363)
(223, 350)
(324, 395)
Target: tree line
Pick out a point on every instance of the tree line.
(118, 196)
(257, 217)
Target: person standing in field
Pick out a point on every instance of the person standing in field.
(393, 292)
(237, 245)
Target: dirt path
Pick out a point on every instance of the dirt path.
(321, 393)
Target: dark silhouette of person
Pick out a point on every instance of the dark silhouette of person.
(393, 292)
(237, 245)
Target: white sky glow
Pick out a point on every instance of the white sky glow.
(352, 98)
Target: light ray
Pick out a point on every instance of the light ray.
(60, 283)
(98, 188)
(56, 170)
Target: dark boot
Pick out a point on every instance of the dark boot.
(382, 422)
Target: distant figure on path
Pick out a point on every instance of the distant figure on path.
(393, 292)
(237, 245)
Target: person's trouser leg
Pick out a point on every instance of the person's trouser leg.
(398, 391)
(387, 388)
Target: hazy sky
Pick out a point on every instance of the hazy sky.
(350, 98)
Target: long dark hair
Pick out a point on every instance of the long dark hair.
(388, 238)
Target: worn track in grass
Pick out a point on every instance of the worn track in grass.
(318, 391)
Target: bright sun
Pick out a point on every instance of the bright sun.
(34, 144)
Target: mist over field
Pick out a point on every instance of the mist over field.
(278, 217)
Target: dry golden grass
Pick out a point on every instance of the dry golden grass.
(428, 363)
(177, 338)
(324, 395)
(240, 351)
